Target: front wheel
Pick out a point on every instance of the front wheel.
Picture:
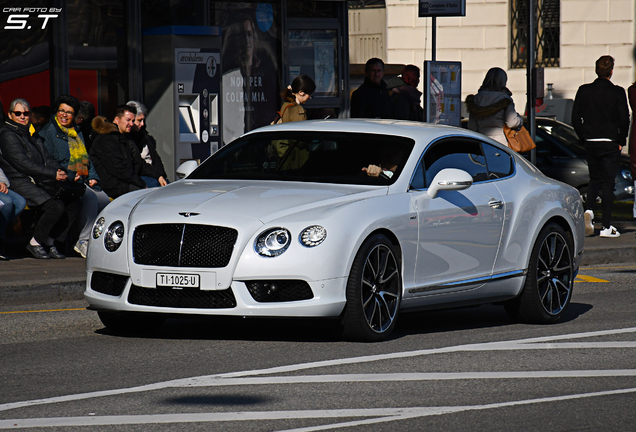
(374, 291)
(548, 288)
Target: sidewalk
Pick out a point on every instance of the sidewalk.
(26, 280)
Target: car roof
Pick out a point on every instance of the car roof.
(418, 131)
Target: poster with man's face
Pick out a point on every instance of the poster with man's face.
(250, 82)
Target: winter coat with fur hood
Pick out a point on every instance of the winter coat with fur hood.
(116, 159)
(489, 111)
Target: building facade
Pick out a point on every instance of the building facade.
(571, 35)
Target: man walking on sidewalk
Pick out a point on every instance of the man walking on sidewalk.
(601, 119)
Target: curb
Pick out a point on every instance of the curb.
(45, 293)
(600, 255)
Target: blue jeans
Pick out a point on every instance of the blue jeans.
(13, 206)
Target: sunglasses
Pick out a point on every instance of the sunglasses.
(20, 113)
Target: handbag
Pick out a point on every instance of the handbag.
(65, 190)
(520, 141)
(70, 191)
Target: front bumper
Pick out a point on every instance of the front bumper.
(328, 300)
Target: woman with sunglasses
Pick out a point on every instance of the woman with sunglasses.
(63, 139)
(38, 177)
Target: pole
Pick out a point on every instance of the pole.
(434, 38)
(530, 77)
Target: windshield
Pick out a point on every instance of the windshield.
(323, 157)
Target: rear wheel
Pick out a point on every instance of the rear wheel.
(127, 322)
(374, 291)
(548, 288)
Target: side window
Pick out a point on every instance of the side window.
(418, 176)
(499, 162)
(460, 153)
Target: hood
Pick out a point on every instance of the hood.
(227, 202)
(102, 126)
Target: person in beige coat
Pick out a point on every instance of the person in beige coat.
(294, 97)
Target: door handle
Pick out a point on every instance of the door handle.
(495, 203)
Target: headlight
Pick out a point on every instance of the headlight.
(114, 236)
(98, 228)
(272, 242)
(313, 235)
(626, 174)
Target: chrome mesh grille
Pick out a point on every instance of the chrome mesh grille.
(202, 246)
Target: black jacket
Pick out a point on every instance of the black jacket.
(600, 111)
(116, 160)
(143, 138)
(29, 167)
(371, 101)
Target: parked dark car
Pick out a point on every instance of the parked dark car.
(561, 156)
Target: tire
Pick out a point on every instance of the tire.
(548, 288)
(127, 322)
(374, 292)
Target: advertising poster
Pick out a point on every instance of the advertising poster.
(444, 92)
(313, 53)
(250, 82)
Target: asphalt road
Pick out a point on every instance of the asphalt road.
(456, 370)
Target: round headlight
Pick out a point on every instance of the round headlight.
(272, 242)
(114, 236)
(313, 235)
(98, 228)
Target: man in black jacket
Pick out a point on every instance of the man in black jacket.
(371, 99)
(601, 119)
(116, 159)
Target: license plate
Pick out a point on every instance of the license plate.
(177, 280)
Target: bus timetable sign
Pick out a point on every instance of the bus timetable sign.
(435, 8)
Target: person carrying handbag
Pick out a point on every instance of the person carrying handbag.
(492, 107)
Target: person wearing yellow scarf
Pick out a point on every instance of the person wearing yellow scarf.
(65, 143)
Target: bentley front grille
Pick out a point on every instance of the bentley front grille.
(108, 283)
(183, 245)
(182, 298)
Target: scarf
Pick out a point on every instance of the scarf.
(78, 161)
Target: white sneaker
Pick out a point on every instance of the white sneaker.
(589, 222)
(610, 232)
(81, 247)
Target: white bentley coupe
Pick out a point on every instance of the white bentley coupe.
(348, 219)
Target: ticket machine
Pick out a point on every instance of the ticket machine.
(182, 80)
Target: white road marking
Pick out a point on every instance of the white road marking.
(384, 414)
(248, 378)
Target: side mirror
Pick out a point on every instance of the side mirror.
(186, 168)
(450, 179)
